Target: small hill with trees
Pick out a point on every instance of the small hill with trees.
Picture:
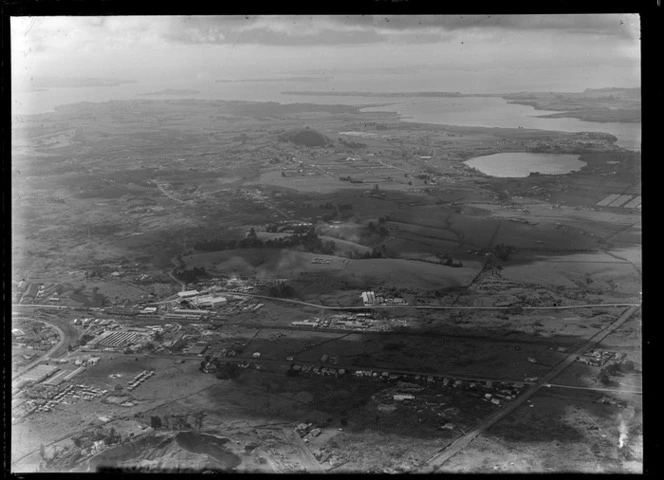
(305, 137)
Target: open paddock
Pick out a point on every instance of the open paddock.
(437, 355)
(263, 263)
(543, 236)
(440, 233)
(407, 273)
(315, 183)
(612, 276)
(272, 263)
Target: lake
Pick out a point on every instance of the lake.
(521, 164)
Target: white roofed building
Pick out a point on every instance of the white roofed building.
(369, 298)
(209, 301)
(188, 293)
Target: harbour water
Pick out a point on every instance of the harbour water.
(478, 111)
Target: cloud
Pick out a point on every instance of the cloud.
(360, 29)
(272, 30)
(604, 24)
(112, 32)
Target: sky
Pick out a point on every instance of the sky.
(472, 54)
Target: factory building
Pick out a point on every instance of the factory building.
(369, 298)
(209, 301)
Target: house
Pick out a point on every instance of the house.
(188, 293)
(403, 396)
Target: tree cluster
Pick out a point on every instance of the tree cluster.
(504, 252)
(226, 370)
(340, 206)
(351, 179)
(373, 234)
(310, 241)
(155, 422)
(282, 290)
(375, 253)
(191, 276)
(448, 261)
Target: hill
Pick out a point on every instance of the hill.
(305, 137)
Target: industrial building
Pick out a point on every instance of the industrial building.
(209, 301)
(304, 324)
(369, 298)
(74, 373)
(188, 293)
(17, 332)
(117, 339)
(57, 379)
(198, 348)
(190, 311)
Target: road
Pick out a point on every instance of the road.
(595, 389)
(166, 193)
(183, 286)
(64, 339)
(437, 460)
(419, 307)
(38, 305)
(422, 307)
(310, 463)
(284, 364)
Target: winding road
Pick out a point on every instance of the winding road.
(175, 279)
(64, 339)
